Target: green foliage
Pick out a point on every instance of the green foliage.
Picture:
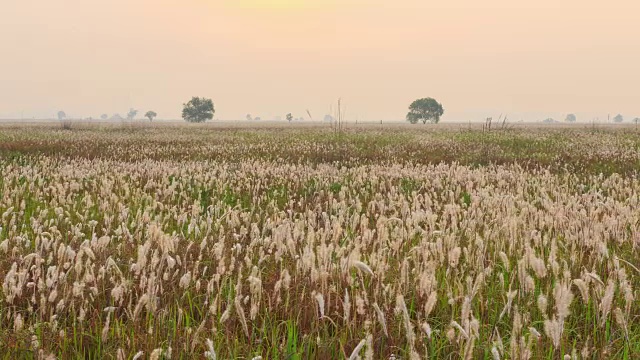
(206, 196)
(15, 157)
(289, 117)
(571, 118)
(291, 349)
(466, 199)
(309, 189)
(229, 197)
(279, 194)
(409, 185)
(618, 118)
(426, 109)
(198, 110)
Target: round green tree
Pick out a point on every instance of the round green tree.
(426, 109)
(150, 115)
(619, 118)
(198, 110)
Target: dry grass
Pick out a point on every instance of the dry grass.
(295, 243)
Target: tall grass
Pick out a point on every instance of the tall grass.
(174, 243)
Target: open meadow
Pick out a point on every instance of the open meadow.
(220, 241)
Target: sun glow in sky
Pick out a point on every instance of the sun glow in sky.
(276, 4)
(271, 3)
(270, 57)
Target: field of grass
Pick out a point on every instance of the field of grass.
(281, 242)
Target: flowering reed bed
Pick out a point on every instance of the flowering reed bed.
(196, 242)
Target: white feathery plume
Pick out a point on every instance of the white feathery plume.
(320, 301)
(381, 318)
(362, 267)
(356, 350)
(210, 354)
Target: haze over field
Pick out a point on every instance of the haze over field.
(146, 213)
(271, 57)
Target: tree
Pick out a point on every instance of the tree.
(61, 115)
(636, 120)
(619, 118)
(426, 109)
(132, 114)
(150, 115)
(289, 117)
(328, 118)
(570, 118)
(549, 121)
(198, 110)
(249, 117)
(104, 116)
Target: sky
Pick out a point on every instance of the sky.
(528, 60)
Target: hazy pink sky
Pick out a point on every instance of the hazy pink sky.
(271, 57)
